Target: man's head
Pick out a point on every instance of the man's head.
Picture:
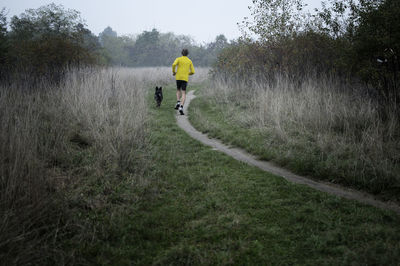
(185, 52)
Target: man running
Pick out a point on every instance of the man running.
(185, 68)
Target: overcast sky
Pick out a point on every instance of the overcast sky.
(201, 19)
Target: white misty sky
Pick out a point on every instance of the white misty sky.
(201, 19)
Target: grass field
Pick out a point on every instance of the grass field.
(173, 201)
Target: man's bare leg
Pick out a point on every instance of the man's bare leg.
(183, 98)
(178, 95)
(182, 101)
(178, 99)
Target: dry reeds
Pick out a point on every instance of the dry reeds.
(340, 133)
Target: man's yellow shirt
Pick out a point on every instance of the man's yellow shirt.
(185, 68)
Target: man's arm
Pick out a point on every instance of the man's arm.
(173, 66)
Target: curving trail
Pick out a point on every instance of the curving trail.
(243, 156)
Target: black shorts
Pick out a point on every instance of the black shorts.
(181, 85)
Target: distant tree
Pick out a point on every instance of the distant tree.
(170, 45)
(147, 49)
(185, 41)
(3, 42)
(274, 19)
(209, 53)
(107, 33)
(3, 26)
(85, 39)
(220, 43)
(47, 39)
(116, 49)
(200, 55)
(46, 21)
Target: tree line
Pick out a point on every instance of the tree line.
(355, 41)
(152, 48)
(42, 43)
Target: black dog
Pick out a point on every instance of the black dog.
(158, 96)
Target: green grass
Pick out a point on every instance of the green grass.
(197, 206)
(213, 121)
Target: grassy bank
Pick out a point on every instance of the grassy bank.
(201, 207)
(58, 146)
(320, 129)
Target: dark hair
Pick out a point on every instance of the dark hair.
(185, 52)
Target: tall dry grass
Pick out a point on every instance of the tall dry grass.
(25, 200)
(43, 131)
(340, 133)
(107, 110)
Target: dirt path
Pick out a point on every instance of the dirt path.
(243, 156)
